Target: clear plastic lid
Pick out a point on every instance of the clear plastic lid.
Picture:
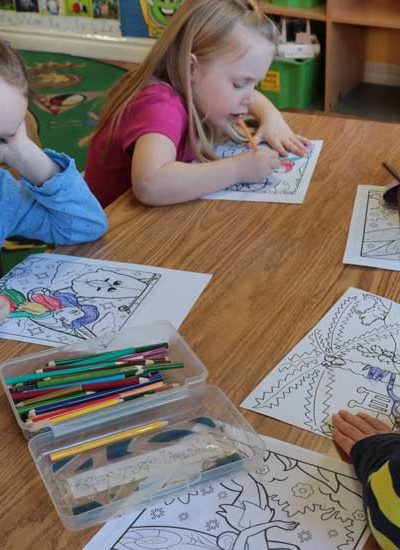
(106, 470)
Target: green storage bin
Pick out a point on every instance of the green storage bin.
(292, 84)
(305, 4)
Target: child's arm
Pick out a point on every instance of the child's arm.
(22, 154)
(59, 210)
(274, 130)
(158, 179)
(375, 453)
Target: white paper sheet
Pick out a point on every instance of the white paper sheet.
(63, 299)
(374, 235)
(349, 360)
(296, 500)
(288, 184)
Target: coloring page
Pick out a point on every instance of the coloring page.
(374, 236)
(295, 500)
(349, 360)
(289, 183)
(56, 299)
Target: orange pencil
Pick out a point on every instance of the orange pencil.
(248, 135)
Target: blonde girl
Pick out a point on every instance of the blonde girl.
(189, 93)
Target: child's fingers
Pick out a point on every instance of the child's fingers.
(377, 424)
(306, 142)
(343, 441)
(345, 424)
(278, 146)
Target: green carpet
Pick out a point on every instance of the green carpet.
(66, 99)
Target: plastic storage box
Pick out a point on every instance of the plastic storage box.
(191, 433)
(305, 4)
(292, 84)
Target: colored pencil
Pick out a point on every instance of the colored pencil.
(136, 361)
(122, 397)
(107, 440)
(126, 371)
(88, 359)
(248, 135)
(28, 397)
(33, 377)
(91, 396)
(22, 409)
(92, 408)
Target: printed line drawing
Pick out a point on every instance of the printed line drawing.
(349, 360)
(374, 235)
(295, 500)
(57, 299)
(288, 184)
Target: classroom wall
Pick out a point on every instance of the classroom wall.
(136, 18)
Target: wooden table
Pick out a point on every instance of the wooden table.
(277, 268)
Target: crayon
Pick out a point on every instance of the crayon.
(28, 397)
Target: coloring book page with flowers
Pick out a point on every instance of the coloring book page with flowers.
(296, 500)
(374, 235)
(349, 360)
(56, 300)
(288, 183)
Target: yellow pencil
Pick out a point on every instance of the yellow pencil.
(248, 135)
(107, 440)
(79, 412)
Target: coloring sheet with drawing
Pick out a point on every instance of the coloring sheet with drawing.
(58, 299)
(287, 184)
(296, 500)
(374, 235)
(349, 360)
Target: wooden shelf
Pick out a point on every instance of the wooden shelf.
(346, 29)
(373, 13)
(316, 14)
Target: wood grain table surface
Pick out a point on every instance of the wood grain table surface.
(277, 268)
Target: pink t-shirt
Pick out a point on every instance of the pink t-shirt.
(157, 108)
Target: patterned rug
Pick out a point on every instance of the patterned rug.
(66, 99)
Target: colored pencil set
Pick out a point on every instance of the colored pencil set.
(69, 388)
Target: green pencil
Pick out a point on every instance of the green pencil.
(128, 371)
(91, 358)
(34, 376)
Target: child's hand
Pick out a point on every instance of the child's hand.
(275, 131)
(349, 428)
(254, 167)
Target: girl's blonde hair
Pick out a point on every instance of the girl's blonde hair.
(12, 68)
(201, 28)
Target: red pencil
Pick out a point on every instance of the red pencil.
(46, 393)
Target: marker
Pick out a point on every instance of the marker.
(248, 135)
(108, 440)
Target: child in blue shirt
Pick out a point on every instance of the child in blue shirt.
(51, 201)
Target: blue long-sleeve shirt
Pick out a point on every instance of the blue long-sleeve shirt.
(61, 211)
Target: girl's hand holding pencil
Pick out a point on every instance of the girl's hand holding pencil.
(255, 166)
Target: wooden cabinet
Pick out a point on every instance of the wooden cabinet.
(353, 31)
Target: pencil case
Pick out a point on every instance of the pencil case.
(110, 461)
(194, 371)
